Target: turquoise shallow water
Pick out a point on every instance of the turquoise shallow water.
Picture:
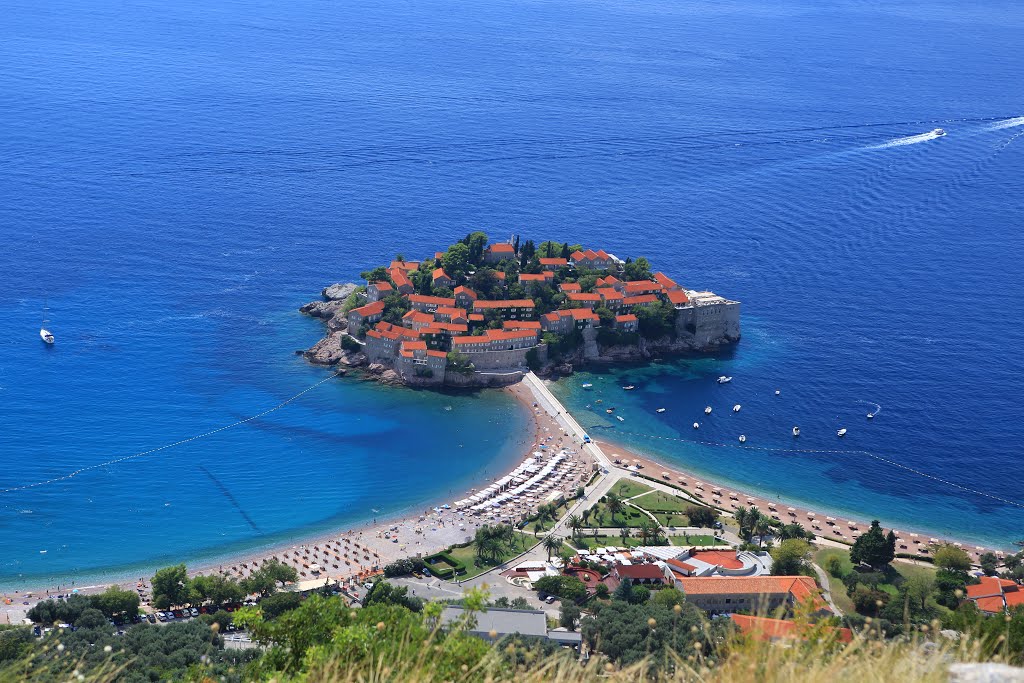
(177, 178)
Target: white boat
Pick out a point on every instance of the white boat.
(841, 432)
(587, 385)
(707, 411)
(743, 438)
(629, 388)
(619, 418)
(46, 335)
(777, 392)
(871, 416)
(660, 410)
(724, 380)
(796, 431)
(736, 408)
(696, 425)
(938, 132)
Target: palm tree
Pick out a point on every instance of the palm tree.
(551, 544)
(614, 504)
(741, 516)
(624, 532)
(647, 531)
(760, 526)
(575, 524)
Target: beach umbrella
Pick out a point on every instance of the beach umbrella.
(791, 509)
(811, 515)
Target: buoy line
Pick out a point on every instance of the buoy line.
(165, 447)
(836, 452)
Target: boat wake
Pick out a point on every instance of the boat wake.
(910, 140)
(874, 411)
(1008, 123)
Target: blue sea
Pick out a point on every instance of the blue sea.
(177, 178)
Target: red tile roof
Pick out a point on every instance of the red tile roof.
(376, 308)
(664, 280)
(502, 248)
(607, 281)
(521, 325)
(677, 297)
(504, 303)
(583, 296)
(582, 314)
(554, 262)
(640, 286)
(399, 277)
(404, 265)
(994, 595)
(609, 293)
(382, 286)
(627, 318)
(418, 317)
(437, 354)
(423, 299)
(764, 628)
(639, 571)
(570, 287)
(414, 345)
(465, 290)
(642, 299)
(589, 255)
(679, 564)
(800, 587)
(534, 277)
(439, 273)
(495, 335)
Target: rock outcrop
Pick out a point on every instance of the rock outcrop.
(339, 292)
(328, 351)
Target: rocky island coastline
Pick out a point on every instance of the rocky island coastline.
(483, 314)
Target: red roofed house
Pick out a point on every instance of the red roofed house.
(764, 628)
(610, 298)
(750, 593)
(642, 287)
(627, 323)
(677, 297)
(439, 278)
(464, 297)
(449, 314)
(995, 596)
(429, 304)
(402, 282)
(369, 314)
(499, 252)
(559, 322)
(570, 287)
(417, 320)
(584, 299)
(404, 265)
(531, 280)
(375, 291)
(645, 574)
(598, 260)
(496, 340)
(667, 283)
(641, 300)
(552, 264)
(611, 281)
(508, 308)
(521, 325)
(416, 360)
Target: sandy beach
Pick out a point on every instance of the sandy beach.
(823, 523)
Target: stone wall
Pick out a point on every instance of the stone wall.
(702, 326)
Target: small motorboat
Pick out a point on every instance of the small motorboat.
(777, 392)
(841, 432)
(587, 385)
(724, 380)
(629, 388)
(620, 418)
(707, 410)
(736, 408)
(46, 335)
(743, 438)
(938, 132)
(696, 425)
(660, 410)
(796, 431)
(600, 400)
(609, 410)
(871, 416)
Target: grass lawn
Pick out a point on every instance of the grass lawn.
(627, 488)
(600, 516)
(898, 573)
(697, 539)
(606, 541)
(548, 523)
(474, 567)
(666, 507)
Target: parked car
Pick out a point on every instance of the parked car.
(194, 612)
(161, 616)
(550, 599)
(152, 619)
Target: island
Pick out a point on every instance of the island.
(484, 314)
